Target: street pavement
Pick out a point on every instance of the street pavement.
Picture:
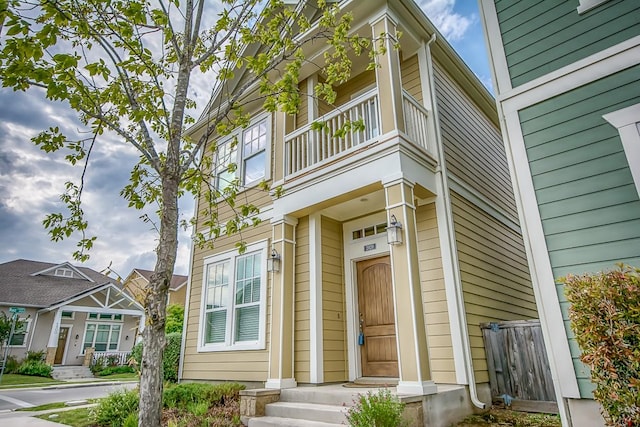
(11, 399)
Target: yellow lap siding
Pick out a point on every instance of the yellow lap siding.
(302, 304)
(333, 303)
(494, 274)
(411, 77)
(434, 297)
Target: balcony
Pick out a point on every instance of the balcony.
(313, 145)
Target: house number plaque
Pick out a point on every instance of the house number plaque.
(369, 247)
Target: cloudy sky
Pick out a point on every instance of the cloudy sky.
(31, 180)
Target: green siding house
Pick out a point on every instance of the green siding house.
(567, 82)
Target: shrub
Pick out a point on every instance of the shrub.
(605, 316)
(12, 365)
(376, 410)
(116, 408)
(36, 356)
(186, 395)
(110, 370)
(171, 357)
(175, 318)
(35, 368)
(170, 360)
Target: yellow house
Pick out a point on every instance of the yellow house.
(138, 280)
(349, 301)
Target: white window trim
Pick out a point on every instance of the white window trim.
(26, 333)
(627, 121)
(587, 5)
(228, 345)
(99, 320)
(238, 133)
(73, 315)
(106, 322)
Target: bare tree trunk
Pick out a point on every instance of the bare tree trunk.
(151, 380)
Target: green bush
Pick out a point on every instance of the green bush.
(35, 369)
(605, 316)
(110, 370)
(376, 410)
(186, 395)
(170, 360)
(117, 408)
(36, 356)
(12, 365)
(175, 318)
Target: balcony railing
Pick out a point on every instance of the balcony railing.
(415, 122)
(110, 358)
(313, 144)
(317, 143)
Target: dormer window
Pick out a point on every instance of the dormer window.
(63, 272)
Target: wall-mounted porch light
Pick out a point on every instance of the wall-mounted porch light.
(394, 231)
(273, 262)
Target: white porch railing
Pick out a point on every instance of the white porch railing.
(415, 122)
(111, 358)
(307, 147)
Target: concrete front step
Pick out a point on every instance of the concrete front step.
(336, 395)
(71, 372)
(286, 422)
(307, 411)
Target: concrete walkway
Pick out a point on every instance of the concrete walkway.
(27, 421)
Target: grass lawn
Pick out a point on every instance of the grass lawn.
(126, 376)
(44, 407)
(80, 417)
(17, 380)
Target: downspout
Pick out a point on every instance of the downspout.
(442, 175)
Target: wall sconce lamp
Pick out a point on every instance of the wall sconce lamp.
(77, 336)
(126, 338)
(394, 231)
(273, 262)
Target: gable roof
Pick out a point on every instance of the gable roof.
(177, 280)
(32, 284)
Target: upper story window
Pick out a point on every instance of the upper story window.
(63, 272)
(250, 163)
(234, 303)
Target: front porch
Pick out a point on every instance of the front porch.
(328, 405)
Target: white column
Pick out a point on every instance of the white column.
(55, 329)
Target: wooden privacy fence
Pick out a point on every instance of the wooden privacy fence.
(517, 361)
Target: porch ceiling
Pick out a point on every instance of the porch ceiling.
(357, 207)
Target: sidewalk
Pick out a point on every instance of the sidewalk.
(12, 418)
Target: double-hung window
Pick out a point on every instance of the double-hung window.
(19, 337)
(234, 294)
(249, 158)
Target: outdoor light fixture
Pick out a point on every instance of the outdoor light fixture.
(273, 262)
(77, 336)
(394, 231)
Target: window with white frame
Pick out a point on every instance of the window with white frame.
(225, 158)
(102, 336)
(254, 157)
(104, 316)
(234, 294)
(250, 163)
(627, 121)
(19, 337)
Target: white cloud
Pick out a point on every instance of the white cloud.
(452, 25)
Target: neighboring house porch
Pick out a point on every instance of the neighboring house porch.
(69, 312)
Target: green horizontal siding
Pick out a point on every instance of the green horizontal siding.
(587, 198)
(543, 36)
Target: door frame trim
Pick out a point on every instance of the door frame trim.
(354, 252)
(66, 345)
